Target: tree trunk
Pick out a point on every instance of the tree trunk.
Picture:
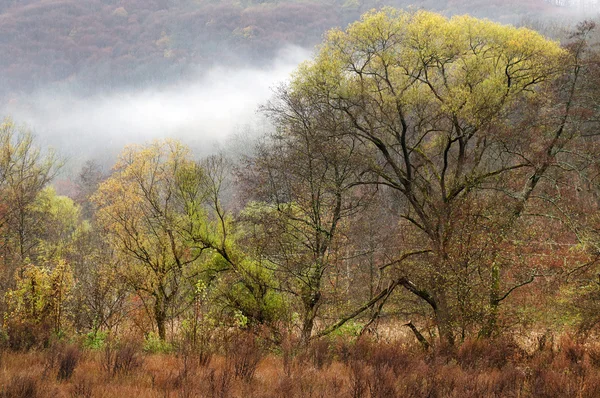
(438, 304)
(492, 318)
(418, 335)
(311, 304)
(160, 316)
(443, 318)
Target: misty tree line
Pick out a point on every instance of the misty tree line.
(585, 4)
(102, 45)
(439, 174)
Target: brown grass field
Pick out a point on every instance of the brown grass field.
(477, 368)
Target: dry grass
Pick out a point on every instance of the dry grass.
(364, 369)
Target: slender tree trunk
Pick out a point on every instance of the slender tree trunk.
(160, 316)
(444, 320)
(418, 335)
(311, 304)
(492, 318)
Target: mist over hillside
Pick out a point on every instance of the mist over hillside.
(101, 45)
(89, 77)
(200, 110)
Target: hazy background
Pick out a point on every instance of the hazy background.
(90, 77)
(201, 110)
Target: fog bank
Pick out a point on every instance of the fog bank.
(202, 112)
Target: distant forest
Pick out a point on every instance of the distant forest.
(102, 44)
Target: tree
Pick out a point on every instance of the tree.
(88, 180)
(576, 193)
(301, 183)
(24, 172)
(162, 212)
(152, 197)
(247, 290)
(100, 293)
(39, 301)
(57, 219)
(458, 116)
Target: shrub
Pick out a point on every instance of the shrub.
(318, 352)
(495, 353)
(245, 354)
(23, 336)
(219, 383)
(122, 358)
(68, 362)
(21, 386)
(95, 340)
(359, 378)
(154, 345)
(82, 389)
(349, 330)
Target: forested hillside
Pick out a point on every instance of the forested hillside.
(103, 44)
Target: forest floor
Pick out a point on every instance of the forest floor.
(365, 369)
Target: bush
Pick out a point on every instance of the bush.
(82, 389)
(154, 345)
(245, 354)
(95, 340)
(122, 358)
(24, 336)
(68, 362)
(318, 352)
(495, 353)
(349, 330)
(21, 386)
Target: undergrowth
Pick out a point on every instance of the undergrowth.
(245, 366)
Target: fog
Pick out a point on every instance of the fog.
(202, 112)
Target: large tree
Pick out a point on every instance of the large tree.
(462, 118)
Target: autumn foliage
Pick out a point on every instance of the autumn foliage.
(421, 220)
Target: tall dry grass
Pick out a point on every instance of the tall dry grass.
(246, 367)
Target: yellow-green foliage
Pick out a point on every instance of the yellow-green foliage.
(40, 296)
(459, 67)
(148, 203)
(58, 219)
(151, 209)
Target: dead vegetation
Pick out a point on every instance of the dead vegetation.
(246, 367)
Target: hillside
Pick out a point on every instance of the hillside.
(102, 44)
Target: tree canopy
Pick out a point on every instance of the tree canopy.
(460, 116)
